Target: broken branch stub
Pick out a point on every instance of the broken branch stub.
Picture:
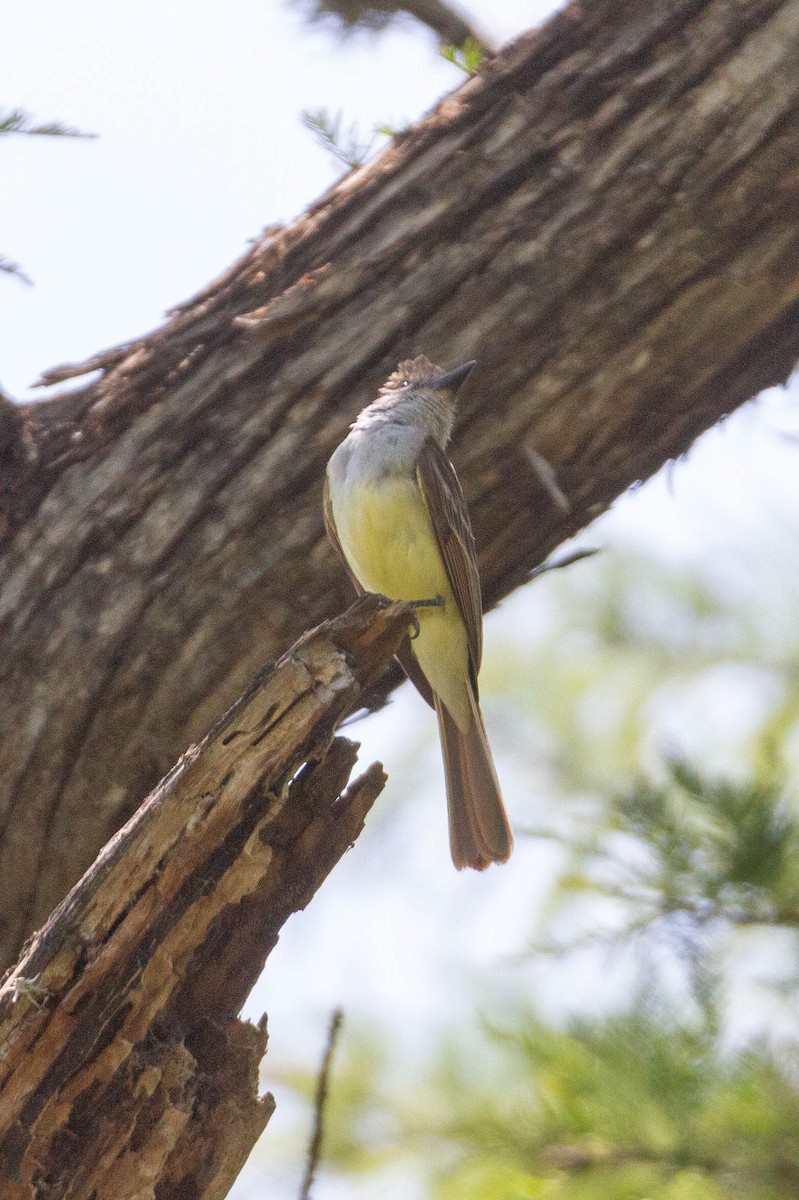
(123, 1069)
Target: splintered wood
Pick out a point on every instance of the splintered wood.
(123, 1066)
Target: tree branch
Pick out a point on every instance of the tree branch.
(320, 1103)
(449, 25)
(124, 1072)
(604, 217)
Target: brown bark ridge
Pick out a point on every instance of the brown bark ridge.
(124, 1073)
(605, 218)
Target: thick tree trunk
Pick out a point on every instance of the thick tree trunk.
(124, 1073)
(605, 219)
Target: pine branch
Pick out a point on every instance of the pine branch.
(8, 267)
(449, 25)
(16, 120)
(347, 146)
(121, 1048)
(468, 57)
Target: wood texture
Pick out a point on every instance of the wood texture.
(605, 219)
(124, 1074)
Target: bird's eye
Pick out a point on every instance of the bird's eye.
(405, 382)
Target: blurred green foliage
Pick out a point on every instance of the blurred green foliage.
(16, 120)
(673, 870)
(637, 1104)
(469, 57)
(446, 21)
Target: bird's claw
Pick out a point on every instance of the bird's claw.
(436, 602)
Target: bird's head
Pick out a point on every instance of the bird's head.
(421, 375)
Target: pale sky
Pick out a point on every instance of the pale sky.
(197, 110)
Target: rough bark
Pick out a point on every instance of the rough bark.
(124, 1072)
(605, 219)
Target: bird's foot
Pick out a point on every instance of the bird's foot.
(382, 600)
(436, 602)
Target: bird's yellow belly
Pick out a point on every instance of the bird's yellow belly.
(388, 540)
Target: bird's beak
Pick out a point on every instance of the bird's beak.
(453, 379)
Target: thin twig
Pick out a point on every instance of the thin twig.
(320, 1101)
(548, 478)
(566, 560)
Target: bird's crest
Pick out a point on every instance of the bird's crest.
(412, 372)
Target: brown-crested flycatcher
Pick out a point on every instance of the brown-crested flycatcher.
(395, 512)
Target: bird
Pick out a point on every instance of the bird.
(395, 513)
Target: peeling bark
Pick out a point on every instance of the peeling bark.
(124, 1072)
(605, 218)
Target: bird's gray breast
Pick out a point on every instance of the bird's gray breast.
(367, 456)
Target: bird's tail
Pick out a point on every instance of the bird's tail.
(479, 833)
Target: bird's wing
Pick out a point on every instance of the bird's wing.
(447, 508)
(332, 533)
(410, 666)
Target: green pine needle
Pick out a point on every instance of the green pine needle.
(346, 145)
(469, 57)
(16, 120)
